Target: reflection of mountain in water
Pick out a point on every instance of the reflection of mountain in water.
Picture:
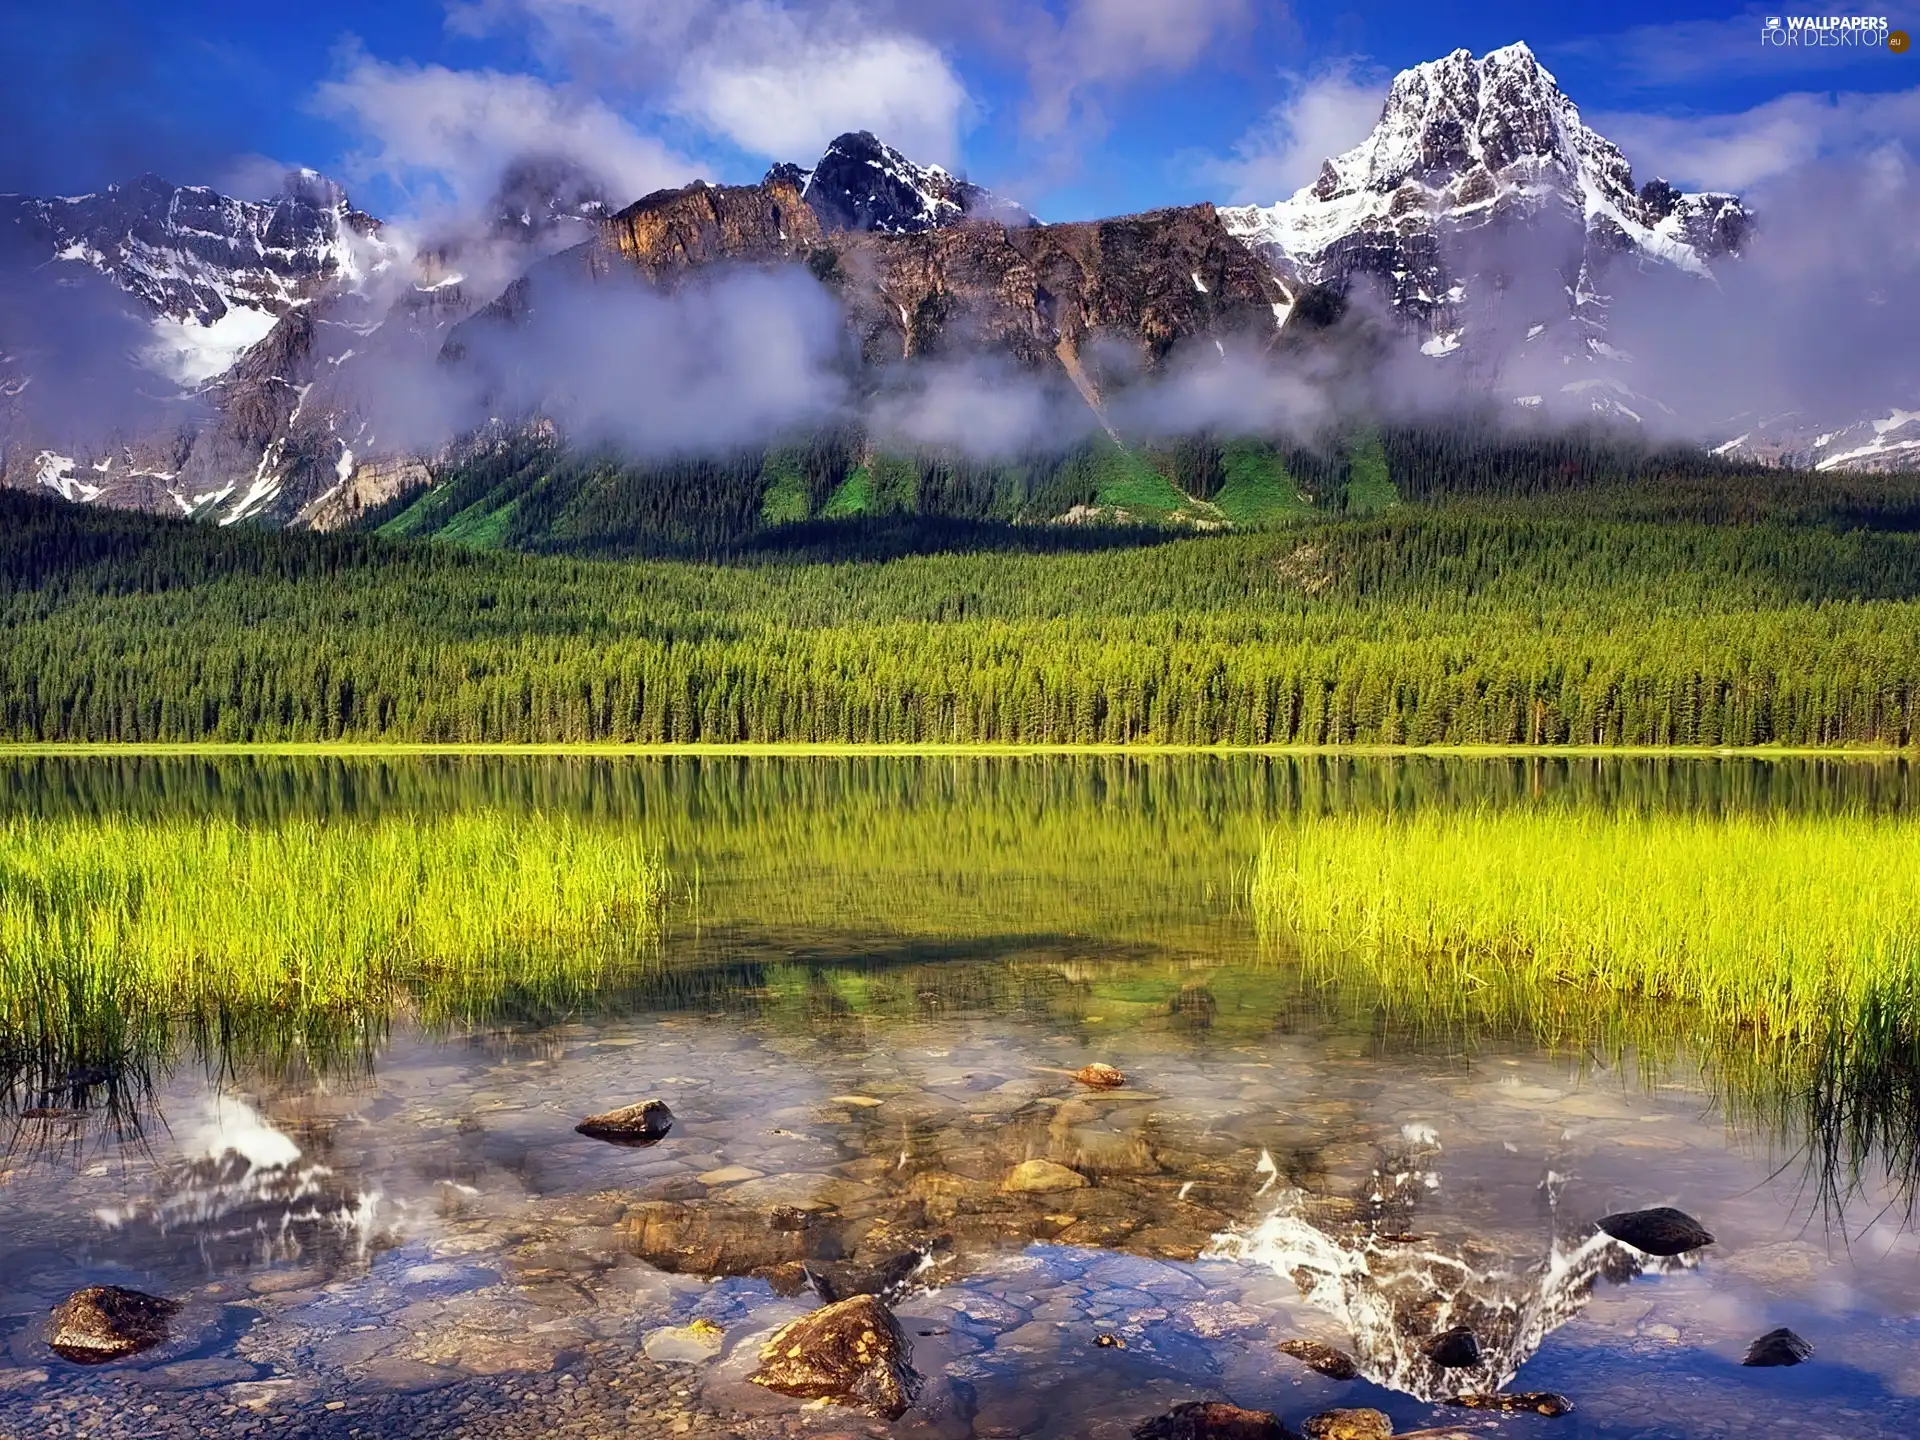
(1394, 1290)
(247, 1196)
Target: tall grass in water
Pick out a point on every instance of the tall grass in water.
(1775, 924)
(115, 929)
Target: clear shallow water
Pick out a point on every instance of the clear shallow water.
(864, 1017)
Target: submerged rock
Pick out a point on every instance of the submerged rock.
(646, 1123)
(1659, 1231)
(1100, 1076)
(1212, 1420)
(1349, 1425)
(105, 1322)
(890, 1277)
(1778, 1347)
(1334, 1364)
(1040, 1176)
(1455, 1349)
(687, 1344)
(850, 1353)
(1540, 1402)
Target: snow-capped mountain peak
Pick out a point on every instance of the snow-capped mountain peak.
(1464, 141)
(862, 183)
(214, 272)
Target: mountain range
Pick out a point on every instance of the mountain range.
(173, 349)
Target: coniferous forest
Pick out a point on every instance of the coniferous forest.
(1423, 587)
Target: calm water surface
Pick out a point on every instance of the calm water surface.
(877, 980)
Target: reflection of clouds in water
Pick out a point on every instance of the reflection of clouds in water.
(1393, 1290)
(247, 1195)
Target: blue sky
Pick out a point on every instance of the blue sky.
(1076, 107)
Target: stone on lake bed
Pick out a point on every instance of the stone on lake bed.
(1334, 1364)
(730, 1175)
(106, 1322)
(1661, 1231)
(1539, 1402)
(1212, 1420)
(1039, 1177)
(851, 1353)
(646, 1123)
(1778, 1347)
(1100, 1076)
(687, 1344)
(1349, 1425)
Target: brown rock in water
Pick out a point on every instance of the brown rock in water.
(1455, 1349)
(1659, 1231)
(1349, 1425)
(1778, 1347)
(1334, 1364)
(1212, 1420)
(1100, 1076)
(852, 1353)
(105, 1322)
(1540, 1402)
(639, 1125)
(1035, 1177)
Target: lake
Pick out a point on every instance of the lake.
(314, 1073)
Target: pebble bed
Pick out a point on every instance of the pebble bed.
(478, 1270)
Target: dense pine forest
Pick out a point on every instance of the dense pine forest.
(1552, 594)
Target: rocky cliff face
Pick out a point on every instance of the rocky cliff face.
(1031, 293)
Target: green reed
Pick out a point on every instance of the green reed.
(1771, 923)
(114, 929)
(1779, 954)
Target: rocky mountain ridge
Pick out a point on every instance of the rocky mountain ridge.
(1482, 219)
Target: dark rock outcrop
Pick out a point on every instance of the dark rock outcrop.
(106, 1322)
(1454, 1349)
(1660, 1231)
(1778, 1347)
(1323, 1359)
(860, 183)
(642, 1124)
(1212, 1420)
(851, 1353)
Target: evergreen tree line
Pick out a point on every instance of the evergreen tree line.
(1495, 624)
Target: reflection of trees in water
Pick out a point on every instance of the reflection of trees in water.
(1394, 1290)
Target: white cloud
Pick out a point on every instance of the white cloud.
(782, 83)
(776, 78)
(1733, 152)
(448, 135)
(1323, 115)
(1102, 43)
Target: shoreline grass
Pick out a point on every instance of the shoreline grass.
(1775, 924)
(966, 750)
(113, 929)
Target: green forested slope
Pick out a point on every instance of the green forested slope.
(1605, 615)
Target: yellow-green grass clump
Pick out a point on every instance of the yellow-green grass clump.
(155, 919)
(1775, 924)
